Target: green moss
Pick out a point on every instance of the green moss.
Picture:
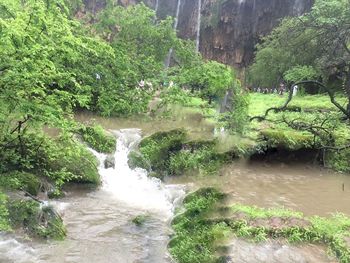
(36, 221)
(4, 214)
(97, 138)
(59, 160)
(338, 160)
(20, 181)
(205, 223)
(168, 153)
(137, 160)
(70, 161)
(194, 239)
(140, 220)
(158, 148)
(256, 212)
(287, 139)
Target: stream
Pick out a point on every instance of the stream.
(99, 222)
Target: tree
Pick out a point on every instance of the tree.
(313, 48)
(211, 79)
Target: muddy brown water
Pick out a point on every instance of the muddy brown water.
(308, 189)
(99, 221)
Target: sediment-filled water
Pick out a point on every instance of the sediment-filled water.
(99, 222)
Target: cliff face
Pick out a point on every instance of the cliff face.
(229, 29)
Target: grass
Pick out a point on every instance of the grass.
(198, 234)
(259, 103)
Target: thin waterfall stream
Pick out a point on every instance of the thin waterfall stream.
(176, 22)
(198, 33)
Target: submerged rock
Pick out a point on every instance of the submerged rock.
(109, 161)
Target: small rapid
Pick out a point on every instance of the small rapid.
(134, 187)
(99, 222)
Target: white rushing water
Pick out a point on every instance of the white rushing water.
(134, 187)
(198, 24)
(99, 223)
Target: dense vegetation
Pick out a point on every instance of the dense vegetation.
(201, 230)
(312, 53)
(55, 61)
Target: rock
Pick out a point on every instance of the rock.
(109, 161)
(230, 29)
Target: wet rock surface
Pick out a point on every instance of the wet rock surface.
(230, 29)
(109, 161)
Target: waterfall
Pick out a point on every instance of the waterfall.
(198, 25)
(133, 186)
(156, 7)
(167, 62)
(298, 7)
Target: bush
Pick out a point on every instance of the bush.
(97, 138)
(4, 214)
(60, 160)
(36, 221)
(21, 181)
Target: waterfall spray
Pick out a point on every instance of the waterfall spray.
(198, 25)
(167, 62)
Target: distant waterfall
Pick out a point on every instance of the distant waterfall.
(198, 25)
(156, 6)
(177, 14)
(167, 62)
(298, 7)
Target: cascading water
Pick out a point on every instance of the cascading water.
(134, 187)
(99, 223)
(156, 7)
(298, 7)
(198, 24)
(176, 22)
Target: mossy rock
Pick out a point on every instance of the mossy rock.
(21, 181)
(97, 138)
(76, 163)
(199, 144)
(137, 160)
(4, 214)
(338, 160)
(291, 140)
(37, 221)
(158, 148)
(140, 220)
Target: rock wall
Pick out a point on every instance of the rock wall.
(230, 29)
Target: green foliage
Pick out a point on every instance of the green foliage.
(4, 214)
(314, 46)
(194, 237)
(158, 148)
(338, 160)
(140, 220)
(98, 138)
(204, 159)
(257, 212)
(288, 139)
(211, 79)
(236, 119)
(168, 153)
(60, 160)
(137, 160)
(41, 222)
(21, 181)
(299, 73)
